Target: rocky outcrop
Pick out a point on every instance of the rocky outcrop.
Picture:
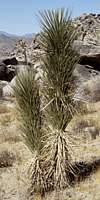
(88, 42)
(8, 69)
(7, 90)
(92, 131)
(92, 60)
(88, 47)
(10, 61)
(88, 27)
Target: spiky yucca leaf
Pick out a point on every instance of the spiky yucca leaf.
(28, 99)
(59, 62)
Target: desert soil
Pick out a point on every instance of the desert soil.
(14, 182)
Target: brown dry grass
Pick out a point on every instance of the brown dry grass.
(10, 134)
(6, 159)
(4, 109)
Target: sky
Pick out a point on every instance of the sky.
(21, 16)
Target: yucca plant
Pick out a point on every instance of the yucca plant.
(27, 95)
(58, 64)
(28, 100)
(48, 138)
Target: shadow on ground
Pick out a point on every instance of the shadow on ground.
(83, 170)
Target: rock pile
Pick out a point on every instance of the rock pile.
(88, 26)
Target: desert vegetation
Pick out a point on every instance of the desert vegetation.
(48, 133)
(44, 124)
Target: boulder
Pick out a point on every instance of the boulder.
(92, 60)
(85, 47)
(88, 26)
(93, 131)
(8, 88)
(8, 69)
(88, 47)
(2, 84)
(88, 84)
(10, 61)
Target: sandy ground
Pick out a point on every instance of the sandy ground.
(14, 182)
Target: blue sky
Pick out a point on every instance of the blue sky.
(20, 16)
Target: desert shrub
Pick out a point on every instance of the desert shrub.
(4, 109)
(92, 131)
(92, 89)
(10, 135)
(6, 159)
(79, 126)
(11, 138)
(21, 49)
(5, 120)
(87, 127)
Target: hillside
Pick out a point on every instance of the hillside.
(8, 41)
(89, 25)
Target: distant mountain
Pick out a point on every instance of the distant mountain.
(8, 41)
(3, 33)
(7, 44)
(27, 35)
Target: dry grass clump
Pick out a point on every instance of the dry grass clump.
(82, 123)
(7, 114)
(92, 89)
(85, 127)
(4, 109)
(12, 138)
(10, 135)
(7, 159)
(79, 126)
(5, 119)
